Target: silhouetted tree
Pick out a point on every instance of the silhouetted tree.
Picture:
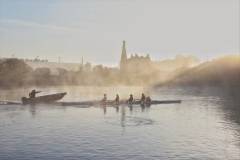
(14, 72)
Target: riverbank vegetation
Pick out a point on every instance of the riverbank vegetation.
(220, 72)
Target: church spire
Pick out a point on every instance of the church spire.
(123, 61)
(124, 52)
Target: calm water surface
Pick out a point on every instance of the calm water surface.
(201, 127)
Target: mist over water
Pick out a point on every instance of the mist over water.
(204, 126)
(76, 93)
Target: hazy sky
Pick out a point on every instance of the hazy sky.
(95, 29)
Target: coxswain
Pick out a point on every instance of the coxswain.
(148, 101)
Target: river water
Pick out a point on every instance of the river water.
(203, 126)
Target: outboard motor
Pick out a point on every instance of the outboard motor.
(24, 100)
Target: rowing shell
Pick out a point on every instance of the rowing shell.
(94, 103)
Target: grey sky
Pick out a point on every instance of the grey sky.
(95, 29)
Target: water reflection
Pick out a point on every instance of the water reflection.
(130, 108)
(33, 110)
(128, 115)
(117, 109)
(144, 108)
(123, 116)
(104, 109)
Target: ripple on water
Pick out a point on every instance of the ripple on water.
(129, 121)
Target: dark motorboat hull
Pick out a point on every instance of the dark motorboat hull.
(44, 99)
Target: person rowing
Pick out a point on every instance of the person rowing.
(33, 93)
(130, 100)
(104, 100)
(143, 98)
(117, 99)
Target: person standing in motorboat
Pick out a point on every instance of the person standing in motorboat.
(33, 93)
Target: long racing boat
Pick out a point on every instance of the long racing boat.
(112, 103)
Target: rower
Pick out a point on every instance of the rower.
(143, 98)
(117, 99)
(130, 100)
(33, 93)
(104, 100)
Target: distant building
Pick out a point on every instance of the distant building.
(133, 64)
